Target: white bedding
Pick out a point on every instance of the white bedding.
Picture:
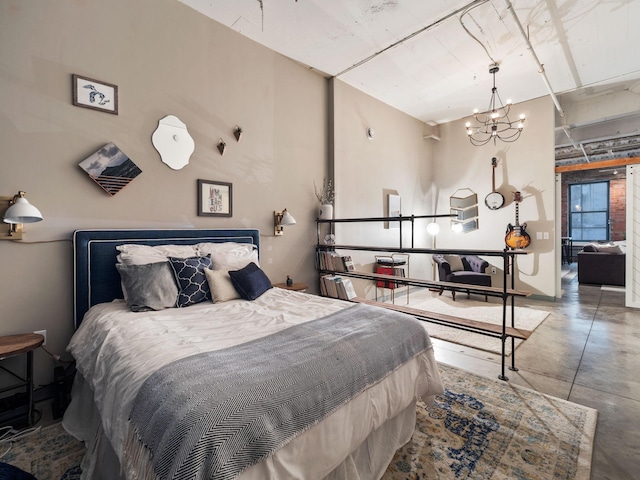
(115, 350)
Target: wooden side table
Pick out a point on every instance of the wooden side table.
(13, 345)
(296, 286)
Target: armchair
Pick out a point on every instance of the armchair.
(467, 269)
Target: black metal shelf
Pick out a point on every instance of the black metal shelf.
(508, 256)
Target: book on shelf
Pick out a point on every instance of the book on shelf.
(336, 286)
(347, 262)
(334, 262)
(350, 292)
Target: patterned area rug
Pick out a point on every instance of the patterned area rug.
(478, 429)
(484, 429)
(491, 312)
(48, 454)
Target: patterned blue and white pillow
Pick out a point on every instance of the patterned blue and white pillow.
(191, 278)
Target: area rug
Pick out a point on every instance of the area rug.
(490, 312)
(48, 454)
(485, 429)
(478, 429)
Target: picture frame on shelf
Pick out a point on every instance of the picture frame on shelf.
(215, 199)
(394, 209)
(95, 94)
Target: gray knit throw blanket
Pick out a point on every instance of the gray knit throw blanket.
(213, 415)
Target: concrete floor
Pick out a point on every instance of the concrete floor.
(586, 351)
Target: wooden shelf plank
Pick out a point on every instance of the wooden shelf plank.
(435, 284)
(475, 325)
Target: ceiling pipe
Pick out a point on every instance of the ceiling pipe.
(543, 74)
(584, 153)
(535, 58)
(566, 131)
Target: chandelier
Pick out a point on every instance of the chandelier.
(494, 123)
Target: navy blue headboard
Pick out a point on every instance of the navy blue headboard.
(96, 278)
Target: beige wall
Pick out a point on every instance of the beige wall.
(396, 160)
(168, 59)
(526, 165)
(165, 59)
(402, 159)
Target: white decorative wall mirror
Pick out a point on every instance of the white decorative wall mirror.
(173, 142)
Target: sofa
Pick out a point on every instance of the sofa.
(469, 269)
(602, 264)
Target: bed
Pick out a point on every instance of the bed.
(181, 392)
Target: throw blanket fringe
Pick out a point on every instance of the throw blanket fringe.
(215, 414)
(138, 465)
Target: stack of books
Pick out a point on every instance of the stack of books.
(336, 286)
(335, 262)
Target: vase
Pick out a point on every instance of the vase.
(326, 212)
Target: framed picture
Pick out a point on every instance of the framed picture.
(89, 93)
(393, 204)
(214, 198)
(110, 168)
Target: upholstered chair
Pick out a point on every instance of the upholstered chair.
(468, 269)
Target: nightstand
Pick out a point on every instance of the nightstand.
(297, 286)
(13, 345)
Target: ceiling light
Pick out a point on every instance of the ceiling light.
(494, 123)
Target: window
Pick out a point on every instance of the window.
(589, 211)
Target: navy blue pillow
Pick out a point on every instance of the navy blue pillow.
(250, 281)
(192, 281)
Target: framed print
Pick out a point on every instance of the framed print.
(89, 93)
(214, 198)
(110, 168)
(393, 204)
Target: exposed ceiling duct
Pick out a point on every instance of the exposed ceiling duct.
(624, 147)
(606, 139)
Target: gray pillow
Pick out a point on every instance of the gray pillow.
(148, 287)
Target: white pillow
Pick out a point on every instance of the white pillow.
(222, 289)
(455, 262)
(229, 255)
(132, 254)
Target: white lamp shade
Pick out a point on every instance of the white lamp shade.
(22, 212)
(433, 228)
(287, 219)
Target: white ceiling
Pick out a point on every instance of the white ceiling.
(416, 56)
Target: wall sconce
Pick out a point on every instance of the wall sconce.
(18, 212)
(282, 219)
(221, 146)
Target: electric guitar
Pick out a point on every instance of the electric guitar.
(516, 236)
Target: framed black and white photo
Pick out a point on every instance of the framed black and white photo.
(90, 93)
(214, 198)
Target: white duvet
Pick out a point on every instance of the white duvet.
(116, 350)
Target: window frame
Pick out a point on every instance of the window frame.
(571, 213)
